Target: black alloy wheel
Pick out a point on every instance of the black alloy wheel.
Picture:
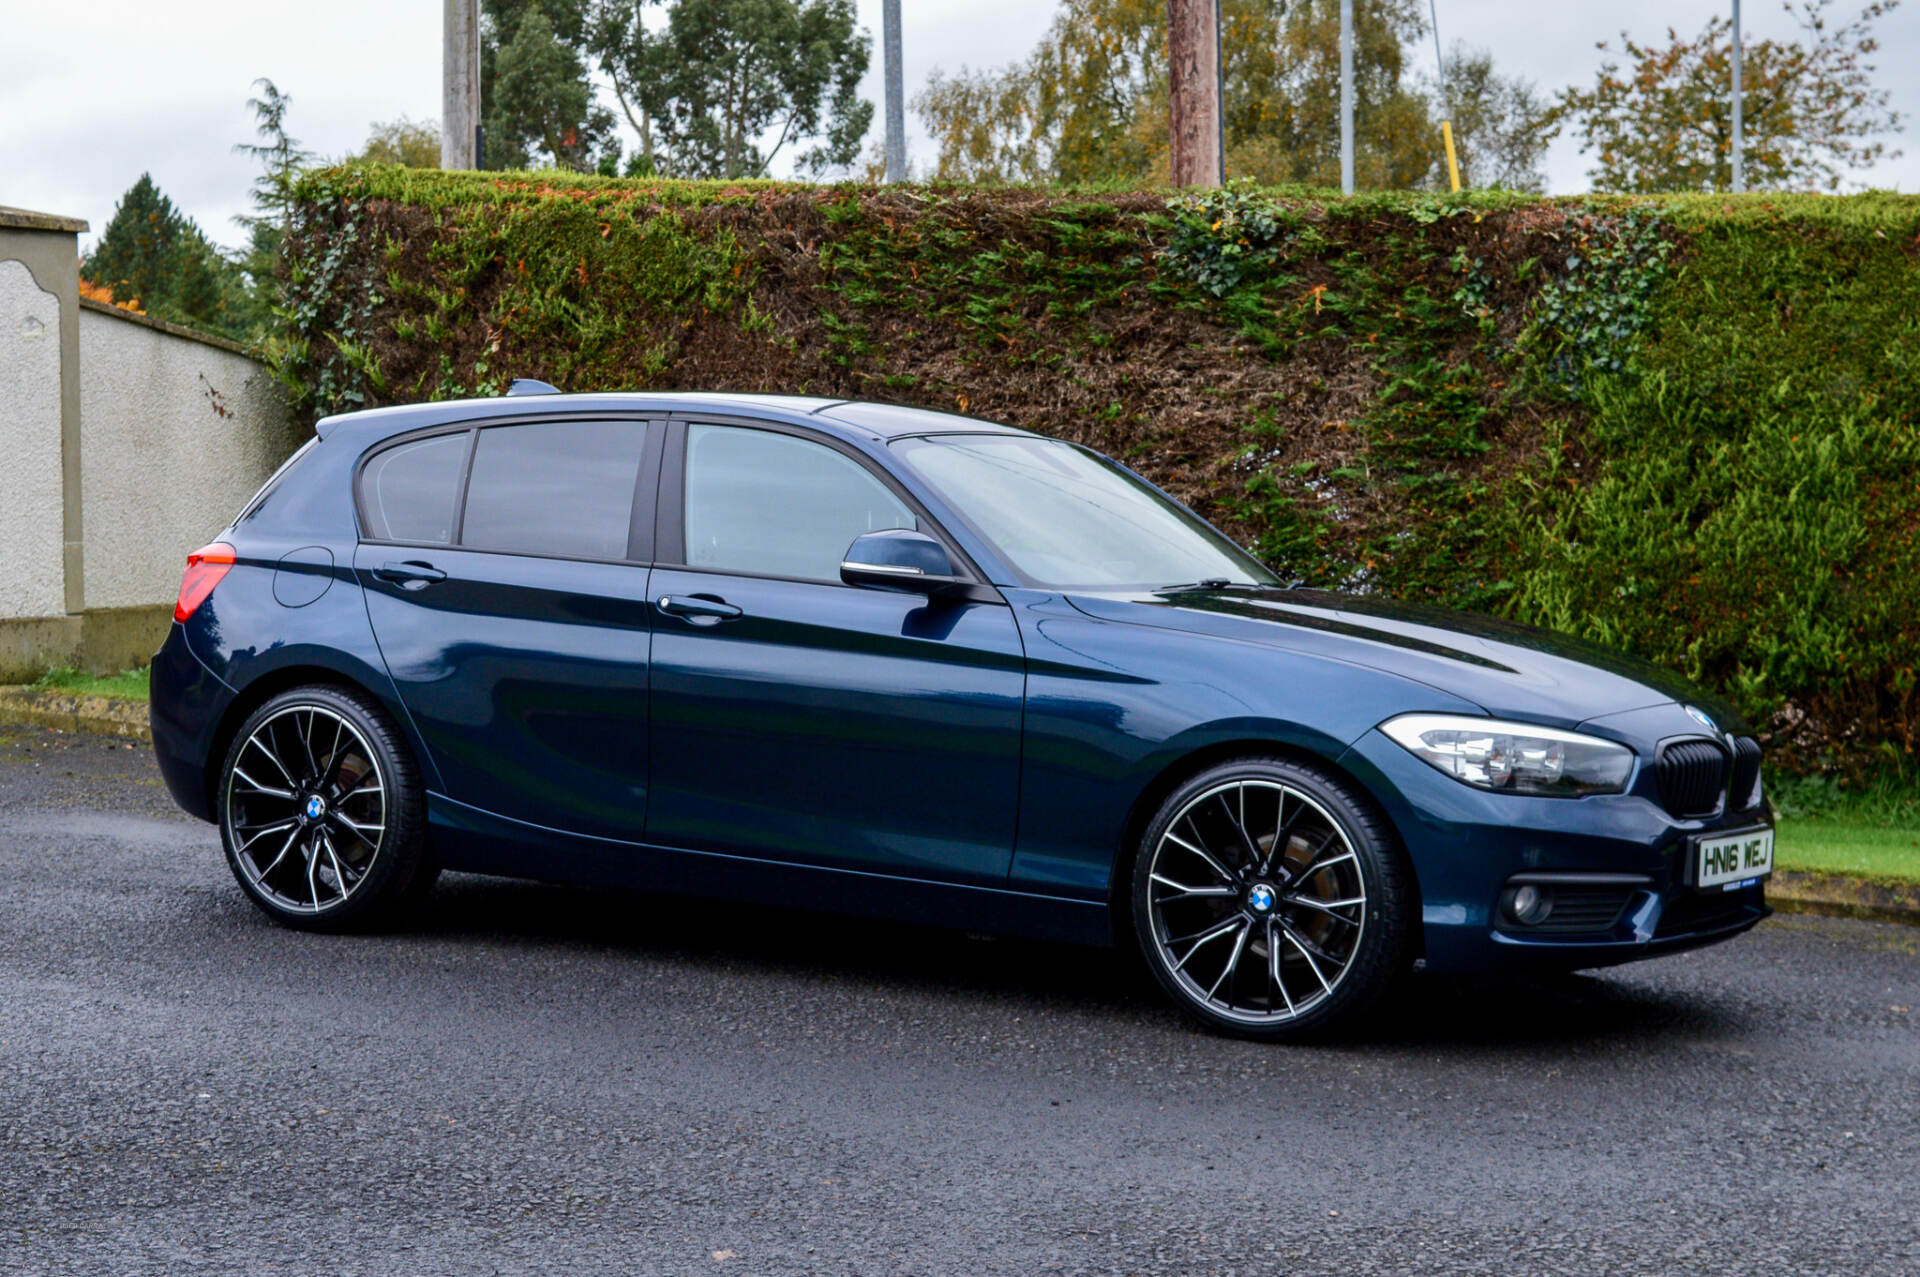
(1270, 900)
(322, 813)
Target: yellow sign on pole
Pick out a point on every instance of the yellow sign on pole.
(1453, 164)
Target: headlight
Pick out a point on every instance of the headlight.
(1514, 758)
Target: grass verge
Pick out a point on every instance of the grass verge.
(127, 685)
(1863, 851)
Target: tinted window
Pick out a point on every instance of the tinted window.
(778, 506)
(563, 487)
(1066, 518)
(409, 492)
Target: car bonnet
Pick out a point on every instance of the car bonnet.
(1510, 670)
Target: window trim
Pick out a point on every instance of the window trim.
(361, 504)
(640, 526)
(670, 526)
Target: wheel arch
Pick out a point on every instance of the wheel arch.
(1177, 772)
(264, 688)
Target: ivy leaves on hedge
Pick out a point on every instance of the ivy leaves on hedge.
(1587, 318)
(1494, 402)
(1222, 236)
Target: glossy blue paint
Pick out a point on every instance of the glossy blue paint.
(838, 726)
(982, 759)
(526, 679)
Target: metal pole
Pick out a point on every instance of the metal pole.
(479, 107)
(1220, 89)
(1446, 109)
(1346, 97)
(1739, 141)
(460, 85)
(896, 93)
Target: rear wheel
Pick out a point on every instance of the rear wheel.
(322, 813)
(1270, 900)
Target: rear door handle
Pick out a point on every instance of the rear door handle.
(701, 609)
(411, 575)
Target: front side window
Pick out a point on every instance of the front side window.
(1068, 519)
(410, 492)
(774, 505)
(554, 488)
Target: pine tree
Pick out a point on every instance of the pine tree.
(152, 253)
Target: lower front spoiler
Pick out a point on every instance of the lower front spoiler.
(1648, 937)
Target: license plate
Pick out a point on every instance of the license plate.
(1728, 861)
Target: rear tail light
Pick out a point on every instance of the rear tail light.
(205, 567)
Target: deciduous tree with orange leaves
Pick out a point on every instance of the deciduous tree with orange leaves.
(1811, 112)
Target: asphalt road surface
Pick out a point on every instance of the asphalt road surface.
(538, 1079)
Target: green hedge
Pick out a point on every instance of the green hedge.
(1684, 426)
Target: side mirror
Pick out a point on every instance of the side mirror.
(898, 559)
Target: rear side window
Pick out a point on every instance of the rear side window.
(556, 488)
(774, 505)
(410, 493)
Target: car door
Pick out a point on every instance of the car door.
(505, 572)
(797, 718)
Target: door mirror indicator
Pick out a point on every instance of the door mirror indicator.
(899, 559)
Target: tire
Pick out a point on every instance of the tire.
(322, 813)
(1212, 903)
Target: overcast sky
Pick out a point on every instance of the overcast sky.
(93, 96)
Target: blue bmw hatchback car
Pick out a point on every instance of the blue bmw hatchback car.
(894, 662)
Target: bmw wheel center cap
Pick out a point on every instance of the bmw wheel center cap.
(1260, 898)
(316, 807)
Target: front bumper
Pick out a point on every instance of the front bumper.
(1468, 846)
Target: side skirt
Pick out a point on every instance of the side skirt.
(468, 840)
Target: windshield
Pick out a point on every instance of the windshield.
(1067, 519)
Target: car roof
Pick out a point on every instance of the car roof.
(844, 417)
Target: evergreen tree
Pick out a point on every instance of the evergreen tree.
(152, 253)
(280, 157)
(537, 98)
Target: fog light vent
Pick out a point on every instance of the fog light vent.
(1529, 905)
(1563, 908)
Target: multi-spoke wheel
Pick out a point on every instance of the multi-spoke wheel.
(320, 811)
(1269, 900)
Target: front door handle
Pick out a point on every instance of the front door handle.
(701, 609)
(411, 575)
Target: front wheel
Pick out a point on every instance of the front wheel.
(322, 812)
(1270, 901)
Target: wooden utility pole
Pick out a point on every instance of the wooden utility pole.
(460, 86)
(1193, 82)
(896, 92)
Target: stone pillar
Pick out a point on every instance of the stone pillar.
(40, 507)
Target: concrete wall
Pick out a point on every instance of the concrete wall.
(177, 431)
(34, 580)
(124, 444)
